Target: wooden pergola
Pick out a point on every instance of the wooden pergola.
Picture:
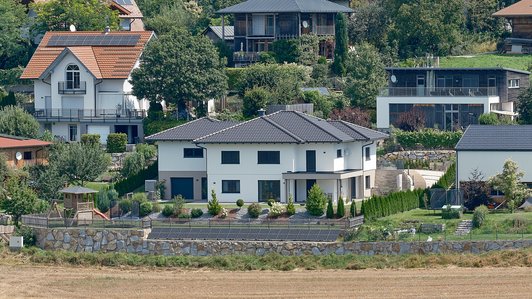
(78, 198)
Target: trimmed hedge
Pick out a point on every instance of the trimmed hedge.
(116, 142)
(90, 138)
(429, 139)
(448, 178)
(393, 203)
(135, 181)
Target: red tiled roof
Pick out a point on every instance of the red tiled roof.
(104, 62)
(521, 8)
(14, 142)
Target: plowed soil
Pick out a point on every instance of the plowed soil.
(94, 282)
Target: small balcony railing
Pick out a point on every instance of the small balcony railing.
(324, 30)
(98, 115)
(438, 92)
(246, 57)
(68, 87)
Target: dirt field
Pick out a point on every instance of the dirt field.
(61, 282)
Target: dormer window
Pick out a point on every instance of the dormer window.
(72, 77)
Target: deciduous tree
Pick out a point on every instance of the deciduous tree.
(15, 121)
(509, 182)
(19, 199)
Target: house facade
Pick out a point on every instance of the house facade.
(258, 23)
(519, 17)
(449, 98)
(20, 152)
(274, 156)
(81, 84)
(496, 144)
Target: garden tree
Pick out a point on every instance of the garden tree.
(133, 164)
(14, 49)
(322, 104)
(284, 82)
(488, 119)
(316, 201)
(426, 26)
(353, 209)
(341, 47)
(255, 99)
(524, 106)
(290, 208)
(330, 209)
(369, 23)
(18, 199)
(213, 206)
(103, 203)
(365, 75)
(413, 120)
(4, 169)
(480, 19)
(320, 74)
(286, 50)
(79, 162)
(47, 180)
(509, 182)
(340, 210)
(476, 190)
(86, 15)
(9, 100)
(352, 115)
(308, 49)
(179, 67)
(169, 16)
(15, 121)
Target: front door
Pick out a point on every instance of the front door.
(183, 187)
(353, 188)
(311, 161)
(452, 123)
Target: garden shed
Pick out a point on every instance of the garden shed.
(78, 198)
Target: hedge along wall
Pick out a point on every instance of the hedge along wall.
(393, 203)
(429, 139)
(135, 181)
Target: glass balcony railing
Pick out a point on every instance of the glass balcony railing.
(438, 92)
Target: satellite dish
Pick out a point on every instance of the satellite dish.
(305, 24)
(393, 78)
(18, 156)
(72, 28)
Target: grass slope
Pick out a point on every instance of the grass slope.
(519, 62)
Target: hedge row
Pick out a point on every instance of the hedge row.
(447, 180)
(429, 139)
(135, 181)
(393, 203)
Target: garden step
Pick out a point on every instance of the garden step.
(464, 227)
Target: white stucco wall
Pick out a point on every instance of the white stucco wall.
(383, 104)
(491, 163)
(171, 157)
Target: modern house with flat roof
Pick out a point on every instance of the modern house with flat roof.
(269, 157)
(519, 17)
(258, 23)
(449, 98)
(81, 83)
(486, 149)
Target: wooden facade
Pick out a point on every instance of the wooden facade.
(29, 156)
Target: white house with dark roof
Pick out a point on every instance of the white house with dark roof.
(486, 149)
(274, 156)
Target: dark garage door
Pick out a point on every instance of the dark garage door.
(183, 186)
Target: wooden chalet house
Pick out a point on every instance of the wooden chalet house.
(519, 16)
(258, 23)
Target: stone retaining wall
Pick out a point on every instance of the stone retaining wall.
(438, 159)
(134, 241)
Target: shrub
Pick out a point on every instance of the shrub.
(196, 213)
(428, 139)
(168, 211)
(139, 197)
(223, 213)
(135, 181)
(276, 210)
(413, 120)
(353, 209)
(340, 210)
(316, 201)
(27, 234)
(254, 210)
(145, 208)
(213, 206)
(488, 119)
(133, 164)
(290, 208)
(116, 143)
(266, 57)
(179, 204)
(270, 202)
(148, 151)
(240, 203)
(103, 203)
(156, 207)
(286, 50)
(125, 205)
(448, 213)
(479, 215)
(184, 216)
(447, 180)
(90, 138)
(330, 209)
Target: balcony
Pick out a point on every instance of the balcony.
(89, 115)
(324, 30)
(245, 57)
(68, 87)
(438, 92)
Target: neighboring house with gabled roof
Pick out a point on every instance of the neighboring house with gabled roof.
(486, 149)
(274, 156)
(81, 83)
(22, 152)
(519, 17)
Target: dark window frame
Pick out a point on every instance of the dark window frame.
(228, 159)
(193, 153)
(26, 157)
(339, 153)
(274, 184)
(229, 189)
(367, 153)
(367, 182)
(269, 157)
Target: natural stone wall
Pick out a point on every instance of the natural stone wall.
(438, 159)
(134, 241)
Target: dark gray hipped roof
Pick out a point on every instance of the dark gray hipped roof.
(496, 138)
(278, 6)
(192, 130)
(290, 127)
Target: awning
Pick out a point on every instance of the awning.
(501, 112)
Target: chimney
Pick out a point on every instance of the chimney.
(261, 112)
(107, 29)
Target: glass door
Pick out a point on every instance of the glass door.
(452, 122)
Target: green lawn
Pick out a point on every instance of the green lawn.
(96, 185)
(520, 62)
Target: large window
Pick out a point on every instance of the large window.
(513, 83)
(230, 186)
(193, 153)
(269, 157)
(72, 77)
(230, 157)
(269, 190)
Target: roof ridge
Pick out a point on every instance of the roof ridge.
(223, 130)
(178, 126)
(300, 114)
(350, 126)
(286, 131)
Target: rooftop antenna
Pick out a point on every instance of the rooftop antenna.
(72, 28)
